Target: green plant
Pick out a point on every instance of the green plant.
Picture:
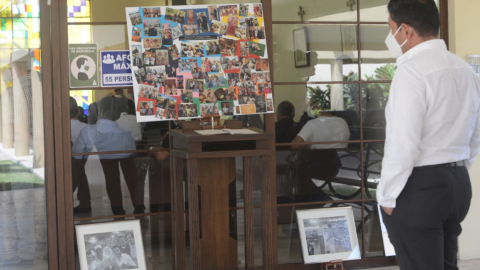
(319, 99)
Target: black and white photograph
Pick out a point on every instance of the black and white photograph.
(260, 103)
(113, 245)
(326, 234)
(177, 31)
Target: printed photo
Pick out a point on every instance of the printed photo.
(228, 10)
(256, 48)
(152, 12)
(211, 64)
(171, 71)
(248, 63)
(218, 27)
(264, 88)
(202, 22)
(159, 114)
(173, 51)
(167, 38)
(135, 18)
(180, 82)
(269, 105)
(190, 49)
(244, 48)
(175, 15)
(165, 101)
(152, 28)
(216, 80)
(231, 93)
(212, 48)
(140, 75)
(243, 12)
(190, 17)
(248, 91)
(327, 235)
(155, 76)
(249, 22)
(257, 10)
(149, 92)
(246, 75)
(208, 96)
(162, 57)
(187, 65)
(233, 79)
(261, 77)
(137, 55)
(230, 63)
(186, 96)
(146, 108)
(261, 65)
(246, 100)
(213, 12)
(256, 33)
(187, 110)
(136, 34)
(189, 29)
(227, 46)
(232, 25)
(209, 110)
(170, 88)
(152, 43)
(241, 32)
(171, 114)
(260, 104)
(197, 73)
(227, 107)
(177, 31)
(149, 57)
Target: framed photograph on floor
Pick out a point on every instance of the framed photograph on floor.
(111, 245)
(349, 38)
(300, 47)
(328, 234)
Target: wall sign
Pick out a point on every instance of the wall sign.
(83, 65)
(116, 68)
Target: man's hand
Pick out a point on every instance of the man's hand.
(388, 210)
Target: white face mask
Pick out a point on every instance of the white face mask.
(7, 75)
(392, 44)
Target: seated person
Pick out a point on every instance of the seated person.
(285, 128)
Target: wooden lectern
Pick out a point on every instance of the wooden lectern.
(210, 166)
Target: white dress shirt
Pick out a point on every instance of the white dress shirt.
(129, 123)
(76, 126)
(324, 129)
(432, 116)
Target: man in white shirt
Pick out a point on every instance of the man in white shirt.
(128, 121)
(432, 138)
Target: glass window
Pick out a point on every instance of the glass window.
(376, 10)
(375, 54)
(376, 97)
(315, 10)
(373, 155)
(333, 53)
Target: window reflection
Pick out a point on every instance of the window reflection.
(315, 10)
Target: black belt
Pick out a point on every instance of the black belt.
(448, 165)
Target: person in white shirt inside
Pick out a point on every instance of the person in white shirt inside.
(128, 121)
(432, 139)
(122, 260)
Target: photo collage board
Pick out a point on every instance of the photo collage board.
(199, 61)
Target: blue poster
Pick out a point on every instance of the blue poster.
(116, 68)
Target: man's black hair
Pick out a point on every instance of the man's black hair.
(286, 109)
(422, 15)
(81, 61)
(111, 107)
(73, 108)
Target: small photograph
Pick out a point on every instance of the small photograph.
(174, 53)
(228, 10)
(231, 93)
(177, 31)
(197, 73)
(162, 57)
(256, 33)
(165, 102)
(136, 34)
(194, 84)
(137, 56)
(261, 65)
(211, 64)
(146, 91)
(269, 105)
(175, 15)
(140, 75)
(171, 71)
(209, 110)
(264, 88)
(149, 57)
(146, 108)
(246, 75)
(155, 75)
(213, 12)
(248, 63)
(243, 12)
(187, 65)
(219, 27)
(232, 25)
(233, 79)
(152, 28)
(244, 49)
(152, 43)
(171, 114)
(230, 63)
(152, 12)
(241, 32)
(202, 22)
(257, 10)
(170, 88)
(190, 17)
(159, 114)
(216, 80)
(190, 49)
(166, 34)
(186, 96)
(246, 100)
(248, 91)
(249, 22)
(190, 29)
(199, 86)
(227, 107)
(237, 109)
(207, 96)
(135, 18)
(212, 48)
(261, 77)
(187, 110)
(227, 46)
(180, 82)
(260, 103)
(256, 48)
(327, 235)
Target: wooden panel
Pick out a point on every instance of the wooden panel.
(267, 214)
(194, 215)
(444, 22)
(249, 228)
(180, 257)
(219, 250)
(224, 154)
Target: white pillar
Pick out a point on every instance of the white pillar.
(21, 105)
(37, 115)
(336, 95)
(7, 116)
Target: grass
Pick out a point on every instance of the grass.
(14, 176)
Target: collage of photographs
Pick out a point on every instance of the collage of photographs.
(199, 61)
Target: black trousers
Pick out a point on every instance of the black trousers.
(425, 224)
(80, 181)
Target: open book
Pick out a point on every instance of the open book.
(225, 131)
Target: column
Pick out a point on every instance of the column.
(336, 95)
(37, 119)
(7, 116)
(21, 98)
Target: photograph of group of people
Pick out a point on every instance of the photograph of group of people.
(199, 55)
